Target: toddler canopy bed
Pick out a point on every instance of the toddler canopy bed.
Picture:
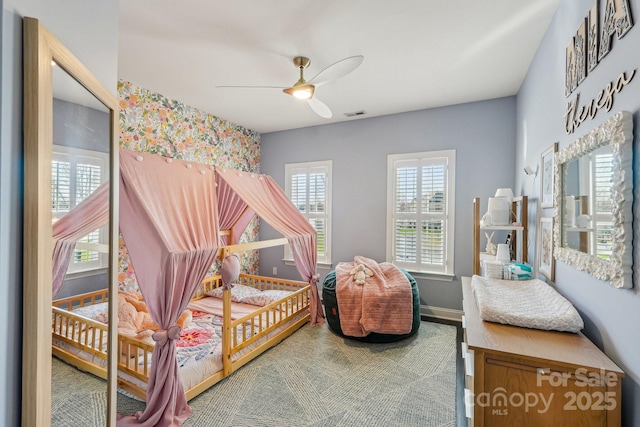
(213, 344)
(176, 217)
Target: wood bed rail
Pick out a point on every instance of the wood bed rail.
(251, 246)
(86, 299)
(270, 283)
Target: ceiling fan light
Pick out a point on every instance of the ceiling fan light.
(304, 91)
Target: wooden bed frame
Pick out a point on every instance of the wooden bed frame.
(262, 329)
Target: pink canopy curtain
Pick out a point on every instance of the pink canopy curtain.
(233, 213)
(87, 216)
(271, 204)
(168, 218)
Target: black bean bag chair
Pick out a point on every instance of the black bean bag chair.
(332, 312)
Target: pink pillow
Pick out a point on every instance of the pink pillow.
(265, 297)
(230, 269)
(238, 292)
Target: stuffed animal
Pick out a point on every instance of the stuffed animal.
(491, 248)
(360, 273)
(134, 318)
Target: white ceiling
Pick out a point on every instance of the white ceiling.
(417, 53)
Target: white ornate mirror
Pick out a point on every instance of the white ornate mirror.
(593, 202)
(68, 114)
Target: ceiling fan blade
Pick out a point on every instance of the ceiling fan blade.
(320, 108)
(337, 70)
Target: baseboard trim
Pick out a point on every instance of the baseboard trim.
(441, 313)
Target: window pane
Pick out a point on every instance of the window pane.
(61, 186)
(421, 211)
(433, 242)
(80, 256)
(77, 173)
(603, 176)
(87, 180)
(406, 189)
(299, 191)
(433, 189)
(405, 240)
(317, 192)
(308, 186)
(604, 239)
(319, 225)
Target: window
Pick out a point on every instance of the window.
(308, 186)
(602, 173)
(76, 174)
(420, 211)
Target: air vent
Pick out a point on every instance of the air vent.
(356, 113)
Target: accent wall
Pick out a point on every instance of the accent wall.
(153, 123)
(611, 315)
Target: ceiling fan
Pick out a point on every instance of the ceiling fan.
(303, 89)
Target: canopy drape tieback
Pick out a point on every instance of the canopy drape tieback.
(162, 336)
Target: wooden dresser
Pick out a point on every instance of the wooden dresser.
(527, 377)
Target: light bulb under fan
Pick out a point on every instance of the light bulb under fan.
(305, 90)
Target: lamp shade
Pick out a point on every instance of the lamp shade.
(506, 193)
(499, 209)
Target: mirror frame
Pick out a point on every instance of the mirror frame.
(41, 48)
(617, 132)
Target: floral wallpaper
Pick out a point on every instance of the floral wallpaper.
(150, 122)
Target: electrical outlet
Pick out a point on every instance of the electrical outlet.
(275, 271)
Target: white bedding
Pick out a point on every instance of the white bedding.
(526, 303)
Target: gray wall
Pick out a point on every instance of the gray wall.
(611, 315)
(483, 135)
(89, 30)
(78, 126)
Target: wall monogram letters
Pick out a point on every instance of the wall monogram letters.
(574, 116)
(585, 51)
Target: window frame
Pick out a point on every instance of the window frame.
(420, 159)
(326, 166)
(74, 156)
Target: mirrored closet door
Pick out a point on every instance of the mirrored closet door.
(70, 232)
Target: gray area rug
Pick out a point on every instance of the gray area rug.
(313, 378)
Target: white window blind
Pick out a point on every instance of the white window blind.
(602, 208)
(420, 214)
(76, 174)
(308, 185)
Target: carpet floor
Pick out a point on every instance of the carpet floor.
(313, 378)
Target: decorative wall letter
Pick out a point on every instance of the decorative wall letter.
(570, 70)
(617, 19)
(592, 38)
(580, 43)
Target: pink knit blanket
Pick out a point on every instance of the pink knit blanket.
(373, 297)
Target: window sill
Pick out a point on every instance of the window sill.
(321, 265)
(440, 277)
(86, 273)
